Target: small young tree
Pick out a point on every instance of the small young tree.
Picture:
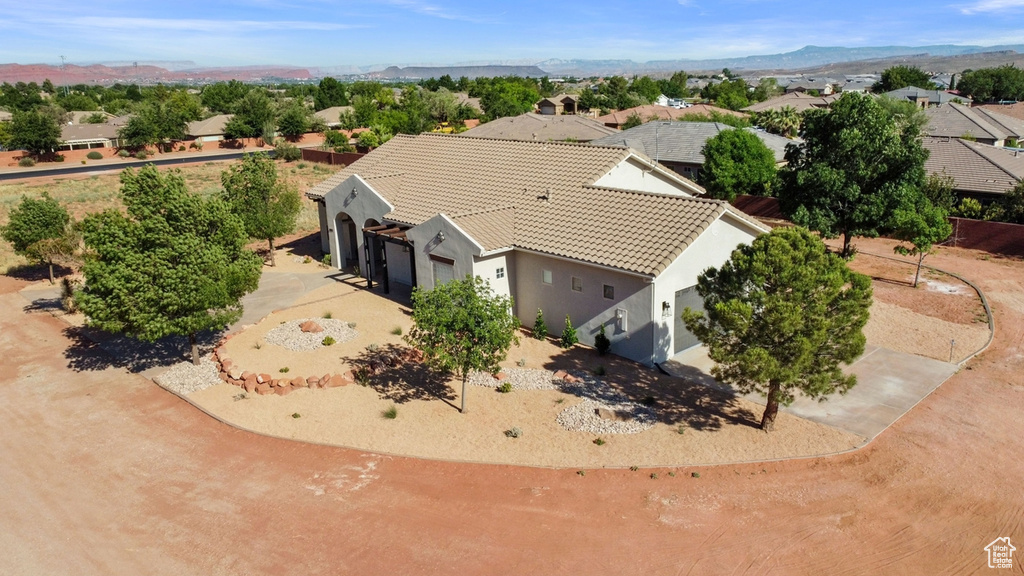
(737, 162)
(462, 326)
(601, 342)
(569, 338)
(268, 208)
(540, 329)
(781, 315)
(174, 264)
(921, 226)
(39, 229)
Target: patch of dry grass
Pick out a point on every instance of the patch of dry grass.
(84, 194)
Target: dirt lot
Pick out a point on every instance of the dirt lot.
(106, 473)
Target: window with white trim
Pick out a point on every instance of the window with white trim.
(500, 272)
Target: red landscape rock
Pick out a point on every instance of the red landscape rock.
(298, 381)
(246, 375)
(235, 373)
(310, 326)
(251, 380)
(312, 380)
(251, 388)
(283, 390)
(265, 377)
(261, 389)
(561, 374)
(336, 381)
(500, 376)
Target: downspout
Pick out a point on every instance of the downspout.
(654, 330)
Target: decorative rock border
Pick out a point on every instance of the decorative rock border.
(264, 384)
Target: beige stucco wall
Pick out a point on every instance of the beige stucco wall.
(587, 309)
(486, 267)
(456, 246)
(361, 202)
(632, 175)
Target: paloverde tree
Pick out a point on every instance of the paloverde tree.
(268, 207)
(175, 264)
(856, 167)
(737, 162)
(39, 229)
(780, 317)
(462, 326)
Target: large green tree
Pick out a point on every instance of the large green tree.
(736, 162)
(34, 131)
(781, 316)
(330, 93)
(174, 264)
(856, 166)
(39, 229)
(993, 84)
(253, 113)
(462, 326)
(508, 98)
(896, 77)
(267, 206)
(295, 120)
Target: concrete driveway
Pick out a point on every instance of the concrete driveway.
(889, 384)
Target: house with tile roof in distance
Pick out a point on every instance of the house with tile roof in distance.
(678, 145)
(927, 98)
(601, 234)
(538, 127)
(980, 124)
(560, 104)
(979, 171)
(332, 116)
(210, 129)
(798, 101)
(650, 112)
(1015, 110)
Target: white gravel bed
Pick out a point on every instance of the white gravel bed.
(290, 336)
(185, 377)
(583, 417)
(519, 378)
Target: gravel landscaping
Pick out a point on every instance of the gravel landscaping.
(185, 377)
(289, 335)
(519, 378)
(630, 417)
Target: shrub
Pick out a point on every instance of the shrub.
(373, 347)
(328, 315)
(83, 161)
(352, 325)
(581, 472)
(540, 330)
(328, 341)
(94, 155)
(58, 158)
(67, 294)
(521, 362)
(27, 162)
(599, 441)
(569, 338)
(505, 388)
(307, 260)
(301, 165)
(694, 474)
(391, 413)
(397, 330)
(296, 415)
(362, 376)
(181, 148)
(123, 154)
(654, 475)
(326, 260)
(287, 152)
(600, 370)
(284, 370)
(601, 342)
(141, 155)
(514, 432)
(634, 468)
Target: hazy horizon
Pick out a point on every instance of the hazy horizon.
(320, 33)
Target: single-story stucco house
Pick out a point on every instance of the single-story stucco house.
(602, 234)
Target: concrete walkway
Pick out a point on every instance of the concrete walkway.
(889, 384)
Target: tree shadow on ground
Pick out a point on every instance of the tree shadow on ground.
(37, 272)
(676, 401)
(393, 376)
(49, 305)
(92, 349)
(308, 245)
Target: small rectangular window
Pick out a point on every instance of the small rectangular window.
(546, 277)
(609, 292)
(499, 273)
(577, 284)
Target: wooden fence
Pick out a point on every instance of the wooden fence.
(333, 158)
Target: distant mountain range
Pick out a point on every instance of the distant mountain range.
(811, 59)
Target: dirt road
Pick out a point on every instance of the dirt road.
(103, 472)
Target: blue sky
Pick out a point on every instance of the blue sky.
(367, 32)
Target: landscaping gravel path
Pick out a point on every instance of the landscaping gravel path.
(290, 336)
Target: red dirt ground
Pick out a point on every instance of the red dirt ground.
(105, 473)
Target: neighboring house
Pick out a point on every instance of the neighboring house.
(959, 121)
(79, 136)
(650, 111)
(79, 116)
(927, 98)
(663, 100)
(6, 116)
(542, 128)
(331, 116)
(560, 104)
(601, 234)
(799, 101)
(678, 145)
(824, 86)
(465, 99)
(209, 130)
(1012, 110)
(979, 171)
(859, 85)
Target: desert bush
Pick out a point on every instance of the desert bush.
(287, 152)
(27, 162)
(141, 155)
(514, 432)
(58, 158)
(94, 155)
(328, 341)
(123, 154)
(505, 387)
(601, 342)
(391, 413)
(181, 148)
(326, 260)
(67, 294)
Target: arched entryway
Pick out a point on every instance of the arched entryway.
(346, 244)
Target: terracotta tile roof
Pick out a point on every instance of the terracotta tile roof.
(1014, 110)
(975, 167)
(683, 141)
(955, 120)
(532, 195)
(332, 115)
(800, 101)
(663, 113)
(541, 127)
